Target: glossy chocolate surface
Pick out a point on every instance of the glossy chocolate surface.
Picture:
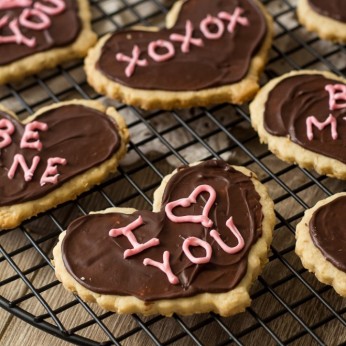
(296, 98)
(335, 9)
(81, 135)
(219, 62)
(96, 260)
(328, 233)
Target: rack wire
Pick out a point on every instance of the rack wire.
(289, 305)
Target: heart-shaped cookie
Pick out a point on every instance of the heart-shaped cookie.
(321, 241)
(186, 256)
(39, 34)
(326, 18)
(60, 152)
(212, 51)
(301, 115)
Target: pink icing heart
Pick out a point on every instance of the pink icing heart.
(186, 202)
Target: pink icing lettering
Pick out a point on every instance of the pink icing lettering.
(50, 175)
(161, 57)
(336, 92)
(311, 120)
(24, 19)
(133, 61)
(186, 202)
(230, 250)
(127, 232)
(28, 172)
(4, 21)
(165, 267)
(204, 27)
(193, 241)
(31, 133)
(187, 39)
(6, 130)
(234, 19)
(17, 36)
(59, 7)
(5, 4)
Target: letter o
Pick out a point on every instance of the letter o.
(161, 57)
(27, 13)
(193, 241)
(204, 27)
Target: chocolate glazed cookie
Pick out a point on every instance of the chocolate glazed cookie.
(321, 241)
(294, 101)
(205, 240)
(51, 158)
(209, 52)
(50, 32)
(326, 18)
(39, 34)
(335, 9)
(301, 115)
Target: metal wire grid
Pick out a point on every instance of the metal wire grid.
(285, 295)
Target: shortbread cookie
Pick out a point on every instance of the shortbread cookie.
(60, 152)
(301, 115)
(199, 250)
(321, 241)
(40, 34)
(211, 51)
(325, 17)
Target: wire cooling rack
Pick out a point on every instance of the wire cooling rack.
(289, 305)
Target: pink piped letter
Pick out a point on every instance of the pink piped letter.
(163, 44)
(28, 172)
(50, 175)
(6, 130)
(234, 19)
(127, 232)
(165, 267)
(336, 92)
(133, 61)
(187, 39)
(230, 250)
(9, 4)
(331, 120)
(43, 23)
(59, 6)
(204, 27)
(17, 36)
(193, 241)
(30, 133)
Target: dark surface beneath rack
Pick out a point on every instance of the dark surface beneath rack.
(289, 305)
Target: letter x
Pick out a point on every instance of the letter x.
(133, 61)
(187, 39)
(234, 19)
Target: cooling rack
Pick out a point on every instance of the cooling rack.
(289, 305)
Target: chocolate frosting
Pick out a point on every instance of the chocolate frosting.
(335, 9)
(83, 136)
(64, 29)
(327, 230)
(96, 260)
(296, 98)
(219, 62)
